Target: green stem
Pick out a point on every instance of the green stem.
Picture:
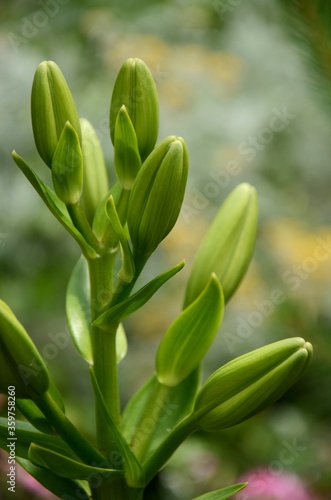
(68, 431)
(105, 370)
(81, 223)
(104, 347)
(123, 288)
(162, 454)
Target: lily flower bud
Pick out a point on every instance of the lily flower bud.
(135, 88)
(157, 195)
(52, 105)
(228, 245)
(127, 159)
(250, 383)
(67, 167)
(188, 339)
(20, 362)
(95, 183)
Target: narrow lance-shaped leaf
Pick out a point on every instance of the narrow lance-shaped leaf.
(67, 467)
(27, 434)
(188, 339)
(126, 154)
(54, 204)
(223, 493)
(137, 300)
(32, 413)
(60, 486)
(67, 167)
(126, 272)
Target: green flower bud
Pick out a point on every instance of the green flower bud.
(135, 88)
(67, 167)
(188, 339)
(95, 184)
(20, 362)
(228, 245)
(249, 383)
(52, 105)
(127, 159)
(157, 195)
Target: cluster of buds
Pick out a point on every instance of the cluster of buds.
(132, 217)
(151, 180)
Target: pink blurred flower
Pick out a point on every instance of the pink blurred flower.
(264, 484)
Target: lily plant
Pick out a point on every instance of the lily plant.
(117, 229)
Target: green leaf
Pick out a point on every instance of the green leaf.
(168, 412)
(27, 434)
(78, 309)
(189, 337)
(79, 314)
(222, 494)
(67, 467)
(54, 204)
(55, 484)
(133, 469)
(126, 153)
(126, 272)
(67, 167)
(32, 413)
(137, 300)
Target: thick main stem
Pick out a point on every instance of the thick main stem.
(105, 370)
(104, 348)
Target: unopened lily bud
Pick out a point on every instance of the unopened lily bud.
(127, 159)
(228, 245)
(250, 383)
(20, 362)
(135, 88)
(188, 339)
(67, 167)
(157, 195)
(52, 105)
(95, 183)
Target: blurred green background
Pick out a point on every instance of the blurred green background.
(237, 81)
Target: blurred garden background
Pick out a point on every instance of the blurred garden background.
(241, 83)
